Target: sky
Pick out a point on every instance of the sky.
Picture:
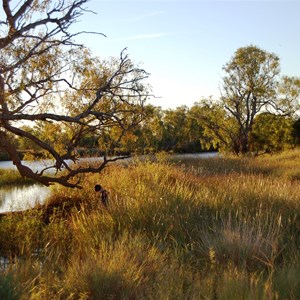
(184, 44)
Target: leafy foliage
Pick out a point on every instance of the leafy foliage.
(271, 133)
(59, 90)
(251, 86)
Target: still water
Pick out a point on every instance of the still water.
(39, 165)
(16, 198)
(21, 197)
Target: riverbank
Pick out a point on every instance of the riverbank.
(222, 228)
(10, 177)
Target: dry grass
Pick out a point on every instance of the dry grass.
(223, 228)
(12, 177)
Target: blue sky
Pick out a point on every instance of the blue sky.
(184, 44)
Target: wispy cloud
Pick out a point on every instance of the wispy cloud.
(135, 18)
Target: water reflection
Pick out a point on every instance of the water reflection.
(18, 198)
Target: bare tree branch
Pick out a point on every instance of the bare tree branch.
(46, 78)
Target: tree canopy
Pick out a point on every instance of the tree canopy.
(251, 85)
(47, 78)
(55, 96)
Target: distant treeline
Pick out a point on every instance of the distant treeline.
(185, 130)
(180, 130)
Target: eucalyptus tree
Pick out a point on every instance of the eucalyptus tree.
(49, 79)
(251, 85)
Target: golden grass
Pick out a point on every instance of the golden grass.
(222, 228)
(12, 177)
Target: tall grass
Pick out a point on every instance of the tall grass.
(12, 177)
(222, 228)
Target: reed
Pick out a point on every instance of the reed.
(12, 177)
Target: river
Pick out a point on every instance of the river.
(16, 198)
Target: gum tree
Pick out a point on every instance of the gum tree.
(252, 85)
(249, 86)
(46, 78)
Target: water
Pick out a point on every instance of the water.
(22, 197)
(195, 155)
(39, 165)
(17, 198)
(34, 165)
